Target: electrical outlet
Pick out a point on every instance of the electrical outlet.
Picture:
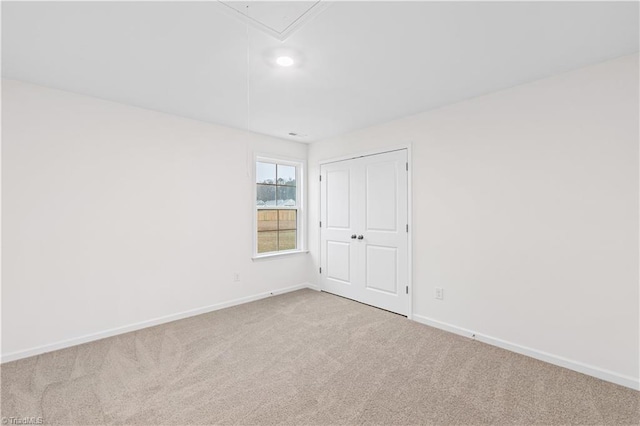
(439, 294)
(236, 277)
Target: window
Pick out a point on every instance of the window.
(278, 207)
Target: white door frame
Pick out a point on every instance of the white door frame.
(406, 147)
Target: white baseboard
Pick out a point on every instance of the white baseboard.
(12, 356)
(314, 287)
(600, 373)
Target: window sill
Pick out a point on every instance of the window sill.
(276, 254)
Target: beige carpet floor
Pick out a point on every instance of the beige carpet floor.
(304, 358)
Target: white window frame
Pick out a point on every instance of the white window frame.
(300, 166)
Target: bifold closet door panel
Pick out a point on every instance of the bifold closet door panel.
(383, 251)
(338, 221)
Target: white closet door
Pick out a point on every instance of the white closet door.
(338, 229)
(375, 236)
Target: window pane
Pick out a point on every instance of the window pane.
(267, 220)
(265, 173)
(286, 196)
(277, 215)
(287, 240)
(267, 241)
(265, 195)
(287, 219)
(286, 175)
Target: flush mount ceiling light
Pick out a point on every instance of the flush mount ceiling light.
(284, 61)
(284, 57)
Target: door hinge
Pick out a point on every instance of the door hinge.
(407, 164)
(407, 227)
(407, 287)
(320, 224)
(321, 269)
(320, 178)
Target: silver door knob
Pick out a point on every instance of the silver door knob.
(360, 237)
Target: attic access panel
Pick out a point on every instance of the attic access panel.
(277, 18)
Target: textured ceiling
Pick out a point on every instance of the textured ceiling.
(358, 63)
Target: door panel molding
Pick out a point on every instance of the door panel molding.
(341, 250)
(375, 274)
(340, 217)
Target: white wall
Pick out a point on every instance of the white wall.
(525, 210)
(114, 215)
